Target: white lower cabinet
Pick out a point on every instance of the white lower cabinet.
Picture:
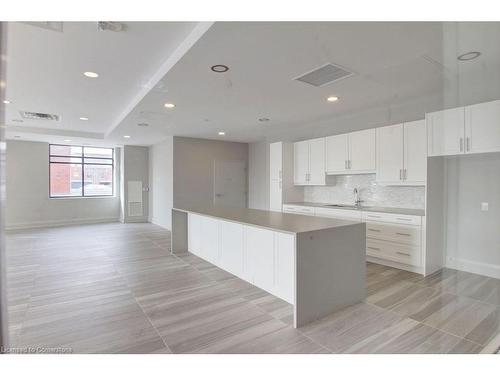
(262, 257)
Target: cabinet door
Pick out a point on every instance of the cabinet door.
(337, 153)
(445, 132)
(301, 162)
(482, 127)
(194, 234)
(285, 267)
(390, 154)
(275, 195)
(275, 161)
(209, 239)
(415, 153)
(259, 256)
(231, 254)
(362, 151)
(317, 161)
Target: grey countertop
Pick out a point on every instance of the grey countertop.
(283, 222)
(389, 210)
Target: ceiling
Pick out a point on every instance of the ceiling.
(402, 70)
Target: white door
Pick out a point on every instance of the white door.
(317, 161)
(337, 154)
(301, 162)
(390, 154)
(231, 248)
(275, 161)
(415, 153)
(445, 132)
(230, 183)
(209, 239)
(275, 195)
(362, 151)
(482, 127)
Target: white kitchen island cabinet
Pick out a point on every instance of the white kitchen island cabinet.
(315, 264)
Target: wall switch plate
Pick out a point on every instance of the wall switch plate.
(484, 206)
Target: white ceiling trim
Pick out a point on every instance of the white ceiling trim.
(179, 52)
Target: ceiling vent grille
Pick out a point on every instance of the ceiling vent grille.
(39, 116)
(324, 75)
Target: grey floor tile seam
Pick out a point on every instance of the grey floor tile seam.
(140, 306)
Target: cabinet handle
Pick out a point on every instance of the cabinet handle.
(374, 230)
(403, 234)
(348, 164)
(400, 174)
(468, 143)
(405, 254)
(403, 219)
(405, 171)
(461, 144)
(345, 164)
(375, 216)
(373, 248)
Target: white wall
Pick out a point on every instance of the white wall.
(258, 175)
(473, 236)
(161, 183)
(28, 203)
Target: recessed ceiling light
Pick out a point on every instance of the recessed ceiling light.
(17, 136)
(219, 68)
(6, 101)
(169, 105)
(67, 140)
(332, 98)
(126, 136)
(84, 118)
(222, 133)
(469, 56)
(264, 119)
(142, 124)
(91, 74)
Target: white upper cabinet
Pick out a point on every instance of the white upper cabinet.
(445, 132)
(415, 153)
(390, 154)
(301, 162)
(362, 151)
(337, 153)
(482, 127)
(309, 162)
(317, 161)
(351, 153)
(402, 154)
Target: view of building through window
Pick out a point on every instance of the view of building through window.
(78, 171)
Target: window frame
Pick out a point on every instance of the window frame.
(83, 164)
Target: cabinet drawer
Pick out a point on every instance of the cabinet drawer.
(405, 234)
(395, 252)
(392, 218)
(338, 213)
(301, 210)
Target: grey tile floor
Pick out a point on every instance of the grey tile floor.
(115, 288)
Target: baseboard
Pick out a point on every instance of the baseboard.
(390, 263)
(59, 223)
(152, 220)
(479, 268)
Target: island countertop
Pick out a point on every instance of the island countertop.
(283, 222)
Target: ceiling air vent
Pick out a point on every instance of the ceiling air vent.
(324, 75)
(39, 116)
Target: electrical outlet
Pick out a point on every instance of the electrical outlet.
(484, 206)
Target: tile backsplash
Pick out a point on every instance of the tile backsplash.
(340, 190)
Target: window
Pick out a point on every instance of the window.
(79, 171)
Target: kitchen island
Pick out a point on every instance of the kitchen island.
(316, 264)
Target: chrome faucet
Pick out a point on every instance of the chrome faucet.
(357, 200)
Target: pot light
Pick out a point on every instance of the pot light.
(169, 105)
(222, 133)
(6, 101)
(332, 98)
(143, 124)
(263, 119)
(84, 118)
(219, 68)
(91, 74)
(126, 136)
(469, 56)
(67, 140)
(17, 136)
